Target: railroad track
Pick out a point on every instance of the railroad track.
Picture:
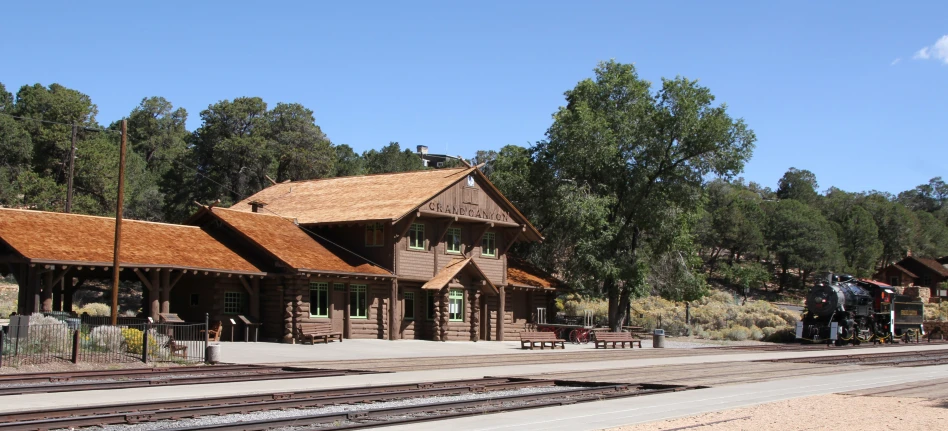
(901, 359)
(17, 384)
(566, 392)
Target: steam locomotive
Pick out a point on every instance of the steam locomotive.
(843, 310)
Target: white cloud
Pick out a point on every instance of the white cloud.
(896, 61)
(938, 51)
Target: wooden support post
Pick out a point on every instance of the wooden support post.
(47, 292)
(436, 323)
(255, 298)
(154, 308)
(501, 307)
(475, 295)
(165, 295)
(347, 324)
(60, 287)
(445, 312)
(69, 289)
(392, 308)
(118, 223)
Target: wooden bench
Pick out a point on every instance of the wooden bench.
(532, 339)
(214, 331)
(313, 331)
(616, 338)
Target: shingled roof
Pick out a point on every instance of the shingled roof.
(931, 264)
(358, 198)
(57, 238)
(367, 197)
(521, 273)
(285, 241)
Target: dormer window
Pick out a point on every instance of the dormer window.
(374, 235)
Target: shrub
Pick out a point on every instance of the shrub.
(786, 334)
(736, 333)
(108, 338)
(95, 309)
(48, 335)
(133, 341)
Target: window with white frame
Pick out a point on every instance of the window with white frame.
(358, 308)
(456, 304)
(453, 240)
(409, 306)
(489, 245)
(319, 299)
(416, 236)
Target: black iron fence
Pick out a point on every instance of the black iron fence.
(41, 339)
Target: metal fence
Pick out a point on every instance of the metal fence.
(41, 339)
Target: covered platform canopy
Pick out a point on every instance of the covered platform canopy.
(43, 250)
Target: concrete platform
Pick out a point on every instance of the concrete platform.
(88, 398)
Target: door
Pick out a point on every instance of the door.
(338, 307)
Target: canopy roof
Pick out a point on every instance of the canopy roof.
(58, 238)
(285, 241)
(454, 268)
(520, 273)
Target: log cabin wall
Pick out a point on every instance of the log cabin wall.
(299, 308)
(353, 237)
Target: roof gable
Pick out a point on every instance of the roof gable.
(46, 237)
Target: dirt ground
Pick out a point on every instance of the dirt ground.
(823, 412)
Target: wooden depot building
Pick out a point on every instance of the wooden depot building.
(416, 255)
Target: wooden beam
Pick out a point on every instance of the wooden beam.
(246, 285)
(510, 242)
(143, 279)
(408, 221)
(175, 281)
(58, 278)
(442, 231)
(478, 236)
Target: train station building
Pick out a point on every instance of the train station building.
(416, 255)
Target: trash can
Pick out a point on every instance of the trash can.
(658, 338)
(213, 354)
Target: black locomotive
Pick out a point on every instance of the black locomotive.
(845, 310)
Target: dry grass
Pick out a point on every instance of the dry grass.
(719, 316)
(8, 297)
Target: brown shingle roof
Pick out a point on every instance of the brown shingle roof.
(45, 237)
(907, 272)
(932, 264)
(287, 242)
(520, 273)
(359, 198)
(450, 271)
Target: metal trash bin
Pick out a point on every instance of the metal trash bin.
(658, 338)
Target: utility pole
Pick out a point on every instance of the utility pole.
(118, 225)
(72, 168)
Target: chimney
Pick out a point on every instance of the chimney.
(423, 150)
(255, 206)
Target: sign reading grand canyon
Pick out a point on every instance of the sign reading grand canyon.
(467, 201)
(470, 211)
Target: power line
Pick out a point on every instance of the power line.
(97, 129)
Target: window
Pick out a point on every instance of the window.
(416, 236)
(431, 304)
(319, 299)
(489, 245)
(195, 299)
(454, 240)
(456, 301)
(373, 235)
(925, 281)
(894, 281)
(357, 301)
(233, 302)
(409, 306)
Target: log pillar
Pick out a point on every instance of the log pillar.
(475, 296)
(445, 312)
(392, 315)
(158, 284)
(436, 332)
(58, 294)
(68, 291)
(501, 312)
(47, 292)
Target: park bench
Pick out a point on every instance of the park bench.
(214, 331)
(313, 331)
(616, 338)
(532, 339)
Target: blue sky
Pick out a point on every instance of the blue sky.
(832, 88)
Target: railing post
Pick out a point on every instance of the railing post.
(1, 347)
(145, 343)
(207, 320)
(75, 346)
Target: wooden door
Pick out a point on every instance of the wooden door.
(338, 310)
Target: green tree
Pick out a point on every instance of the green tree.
(347, 163)
(800, 237)
(624, 166)
(16, 151)
(732, 221)
(304, 152)
(931, 235)
(799, 184)
(156, 131)
(391, 159)
(859, 241)
(929, 197)
(896, 223)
